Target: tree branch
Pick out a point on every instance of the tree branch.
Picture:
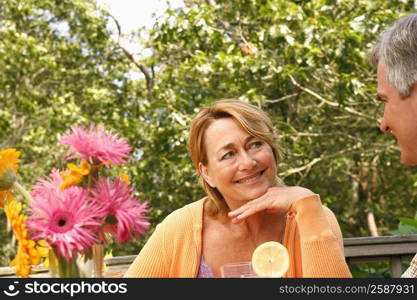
(149, 79)
(322, 158)
(328, 102)
(282, 98)
(300, 169)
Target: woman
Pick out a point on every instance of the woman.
(233, 148)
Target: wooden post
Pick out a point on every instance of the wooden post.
(395, 266)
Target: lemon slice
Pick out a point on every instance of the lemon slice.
(270, 259)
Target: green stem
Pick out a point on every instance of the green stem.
(62, 268)
(23, 191)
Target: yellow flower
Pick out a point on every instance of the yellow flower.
(9, 160)
(75, 175)
(17, 220)
(21, 262)
(124, 177)
(43, 250)
(28, 251)
(5, 196)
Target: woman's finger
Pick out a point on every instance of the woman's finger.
(247, 210)
(244, 215)
(245, 207)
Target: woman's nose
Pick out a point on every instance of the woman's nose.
(246, 161)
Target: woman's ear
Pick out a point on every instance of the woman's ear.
(204, 172)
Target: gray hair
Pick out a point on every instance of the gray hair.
(396, 49)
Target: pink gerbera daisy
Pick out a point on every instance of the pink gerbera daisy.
(125, 214)
(94, 143)
(67, 219)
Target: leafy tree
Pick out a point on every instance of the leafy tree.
(302, 61)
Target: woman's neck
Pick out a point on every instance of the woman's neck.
(263, 226)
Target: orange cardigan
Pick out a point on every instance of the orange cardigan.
(312, 237)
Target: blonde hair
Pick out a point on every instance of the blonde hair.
(250, 118)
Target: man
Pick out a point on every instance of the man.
(395, 57)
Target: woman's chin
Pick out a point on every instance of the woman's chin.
(254, 193)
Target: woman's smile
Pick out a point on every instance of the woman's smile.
(250, 179)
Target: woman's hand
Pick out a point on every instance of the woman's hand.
(274, 200)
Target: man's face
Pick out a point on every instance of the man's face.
(400, 116)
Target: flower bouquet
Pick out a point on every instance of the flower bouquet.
(77, 211)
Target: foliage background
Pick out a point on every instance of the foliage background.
(302, 61)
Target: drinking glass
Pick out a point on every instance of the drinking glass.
(238, 270)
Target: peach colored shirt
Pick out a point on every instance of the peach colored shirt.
(312, 237)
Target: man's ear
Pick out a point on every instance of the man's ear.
(204, 172)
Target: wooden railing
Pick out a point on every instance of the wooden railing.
(391, 249)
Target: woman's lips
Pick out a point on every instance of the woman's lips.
(250, 178)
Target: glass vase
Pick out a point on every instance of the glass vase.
(88, 265)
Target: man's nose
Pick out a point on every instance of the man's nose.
(384, 126)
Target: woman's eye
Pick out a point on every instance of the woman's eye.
(256, 144)
(228, 155)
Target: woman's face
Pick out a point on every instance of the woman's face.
(240, 166)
